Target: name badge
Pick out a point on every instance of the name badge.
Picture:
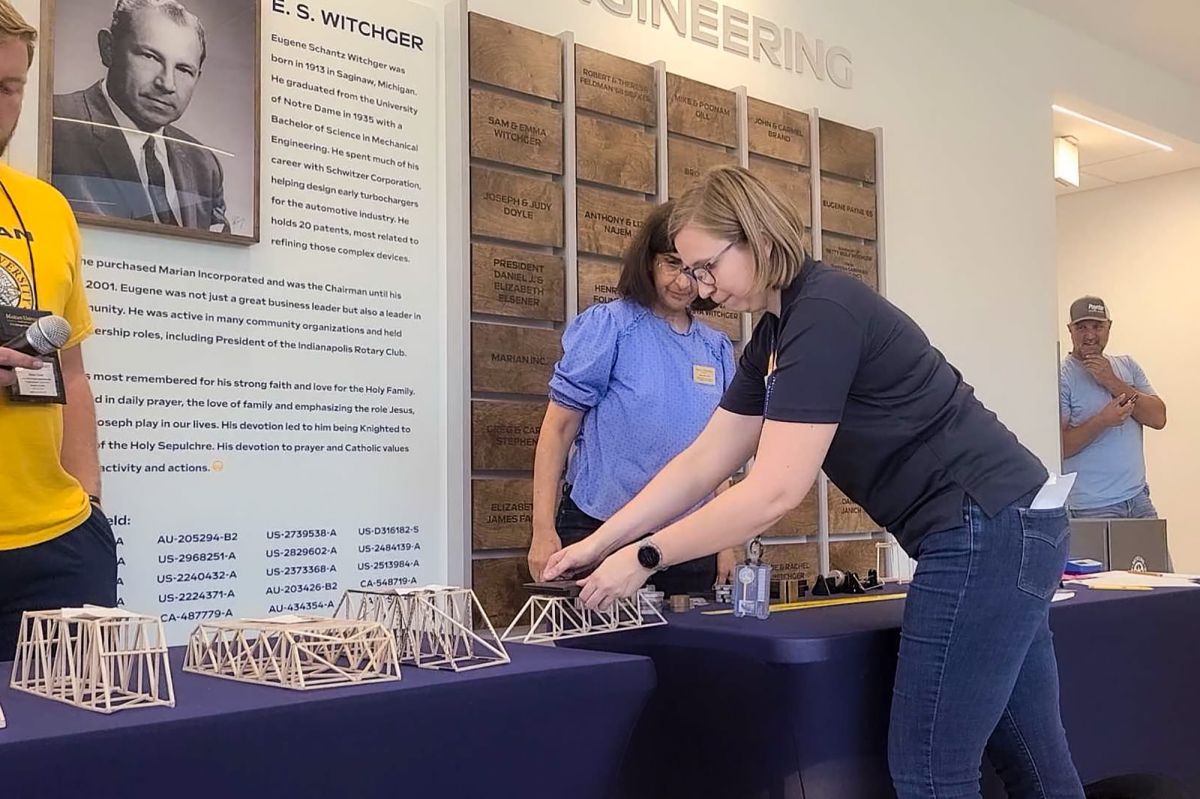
(704, 375)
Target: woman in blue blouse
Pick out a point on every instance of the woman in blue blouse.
(638, 381)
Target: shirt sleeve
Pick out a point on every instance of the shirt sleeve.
(1140, 381)
(1064, 395)
(581, 376)
(75, 309)
(820, 347)
(746, 392)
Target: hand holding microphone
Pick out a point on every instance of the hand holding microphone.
(45, 336)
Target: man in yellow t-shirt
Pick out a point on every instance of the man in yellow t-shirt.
(56, 546)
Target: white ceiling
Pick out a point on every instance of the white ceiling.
(1162, 33)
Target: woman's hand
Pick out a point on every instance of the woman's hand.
(619, 576)
(575, 558)
(544, 544)
(726, 562)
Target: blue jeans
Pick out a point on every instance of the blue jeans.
(976, 669)
(1140, 507)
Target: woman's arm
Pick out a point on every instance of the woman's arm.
(724, 445)
(559, 428)
(785, 468)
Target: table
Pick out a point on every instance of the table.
(797, 705)
(553, 723)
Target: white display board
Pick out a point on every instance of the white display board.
(272, 428)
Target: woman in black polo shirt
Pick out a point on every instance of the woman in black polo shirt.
(836, 377)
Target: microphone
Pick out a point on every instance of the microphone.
(45, 336)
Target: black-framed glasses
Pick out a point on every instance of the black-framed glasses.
(703, 272)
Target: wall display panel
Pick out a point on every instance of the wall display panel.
(517, 132)
(728, 322)
(513, 360)
(848, 208)
(597, 282)
(799, 521)
(778, 132)
(701, 111)
(847, 152)
(506, 281)
(512, 57)
(791, 182)
(239, 388)
(504, 434)
(688, 160)
(793, 561)
(498, 585)
(854, 257)
(516, 207)
(847, 517)
(614, 86)
(615, 154)
(501, 514)
(857, 556)
(608, 220)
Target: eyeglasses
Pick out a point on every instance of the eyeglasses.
(701, 273)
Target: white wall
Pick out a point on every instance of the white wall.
(1135, 245)
(962, 91)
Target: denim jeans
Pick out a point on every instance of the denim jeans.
(976, 669)
(1140, 507)
(79, 567)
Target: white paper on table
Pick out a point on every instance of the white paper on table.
(1060, 596)
(1054, 492)
(1136, 578)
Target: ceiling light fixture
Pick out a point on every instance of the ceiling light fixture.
(1066, 161)
(1114, 128)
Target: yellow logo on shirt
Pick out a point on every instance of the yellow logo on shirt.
(704, 375)
(15, 289)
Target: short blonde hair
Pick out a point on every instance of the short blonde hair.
(14, 26)
(734, 205)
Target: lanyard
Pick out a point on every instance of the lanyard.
(28, 245)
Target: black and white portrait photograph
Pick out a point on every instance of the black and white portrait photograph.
(154, 114)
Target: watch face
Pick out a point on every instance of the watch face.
(648, 556)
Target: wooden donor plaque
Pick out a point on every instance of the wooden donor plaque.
(728, 322)
(515, 58)
(687, 161)
(799, 521)
(701, 111)
(615, 154)
(504, 434)
(851, 256)
(778, 132)
(607, 221)
(845, 516)
(513, 360)
(790, 182)
(516, 207)
(498, 585)
(517, 132)
(509, 282)
(793, 561)
(615, 86)
(848, 152)
(597, 282)
(856, 556)
(848, 209)
(501, 514)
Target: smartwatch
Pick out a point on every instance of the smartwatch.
(650, 556)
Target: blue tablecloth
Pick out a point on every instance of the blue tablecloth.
(797, 705)
(552, 723)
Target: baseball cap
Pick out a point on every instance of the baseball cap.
(1089, 308)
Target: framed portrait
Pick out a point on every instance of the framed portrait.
(150, 114)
